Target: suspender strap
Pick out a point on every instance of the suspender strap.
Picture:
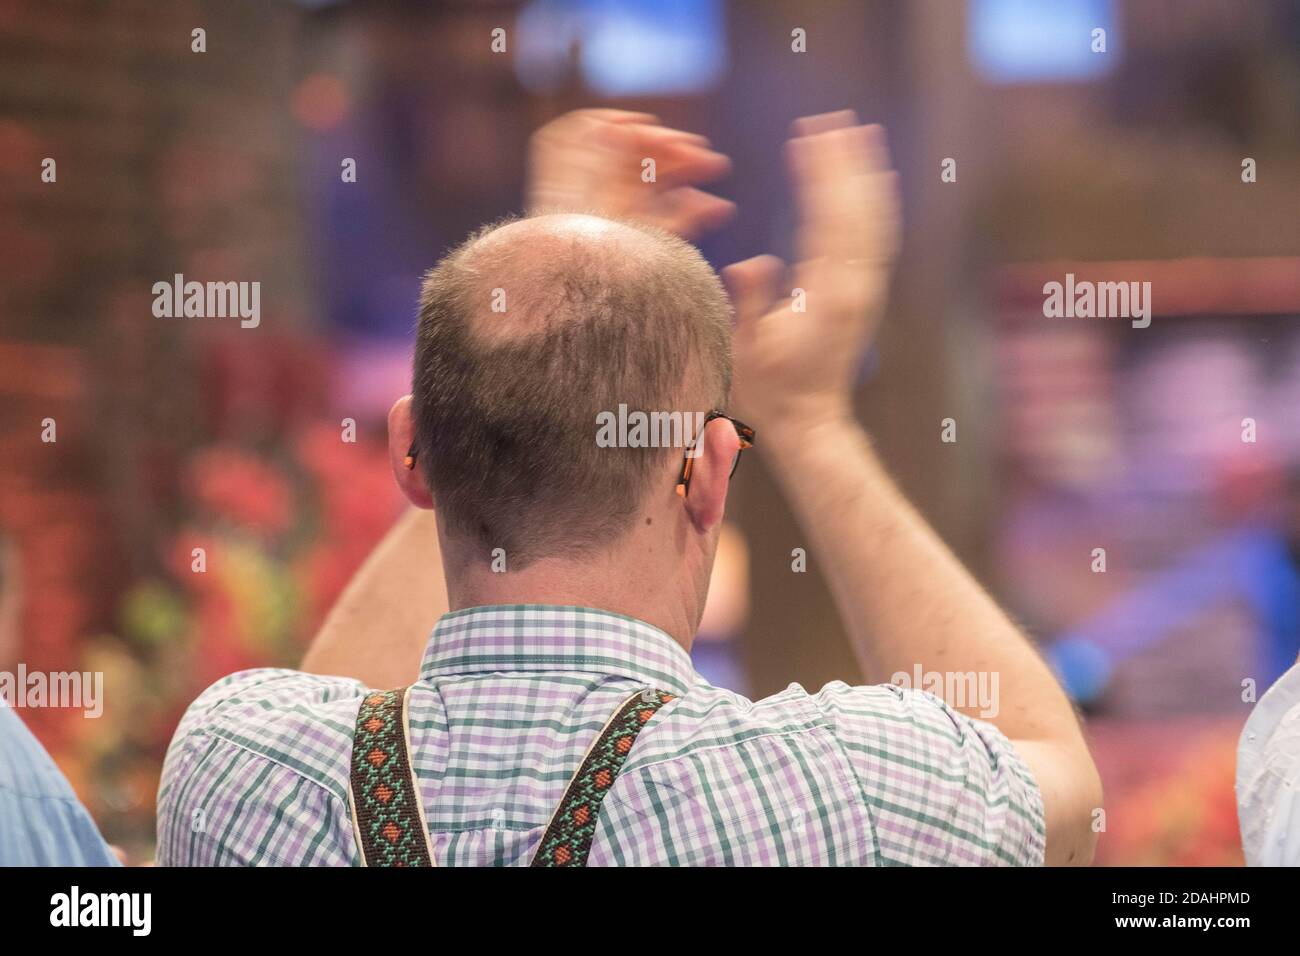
(387, 811)
(568, 836)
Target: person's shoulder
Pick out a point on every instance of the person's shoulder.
(26, 768)
(274, 683)
(244, 750)
(273, 712)
(914, 726)
(709, 717)
(914, 754)
(881, 708)
(737, 781)
(261, 695)
(42, 823)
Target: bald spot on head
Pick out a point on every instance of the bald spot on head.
(547, 267)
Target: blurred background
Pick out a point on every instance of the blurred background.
(1071, 434)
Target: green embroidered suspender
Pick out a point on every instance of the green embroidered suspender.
(568, 836)
(388, 813)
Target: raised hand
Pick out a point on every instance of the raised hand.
(801, 363)
(591, 161)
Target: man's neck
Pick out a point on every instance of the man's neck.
(609, 583)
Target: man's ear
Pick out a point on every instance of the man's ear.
(706, 498)
(401, 432)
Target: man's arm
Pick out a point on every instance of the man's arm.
(906, 600)
(904, 597)
(377, 630)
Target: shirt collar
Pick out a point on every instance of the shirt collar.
(510, 638)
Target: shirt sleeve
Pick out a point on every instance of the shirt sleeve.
(1268, 776)
(943, 789)
(42, 823)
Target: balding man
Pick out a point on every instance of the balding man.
(555, 718)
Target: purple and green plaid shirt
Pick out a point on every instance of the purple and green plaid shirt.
(508, 701)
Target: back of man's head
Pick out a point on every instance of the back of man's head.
(528, 332)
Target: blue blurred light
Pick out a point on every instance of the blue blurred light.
(1035, 41)
(1083, 668)
(625, 47)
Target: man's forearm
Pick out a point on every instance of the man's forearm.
(904, 597)
(906, 600)
(378, 629)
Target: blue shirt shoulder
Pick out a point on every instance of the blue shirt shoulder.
(42, 823)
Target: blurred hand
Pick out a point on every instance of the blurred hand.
(590, 161)
(800, 364)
